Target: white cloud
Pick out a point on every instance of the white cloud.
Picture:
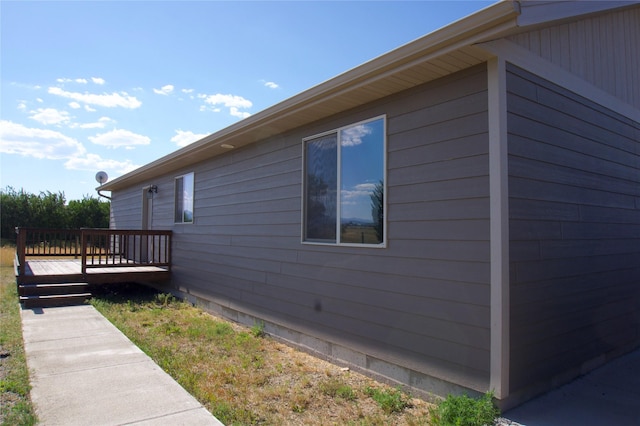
(183, 138)
(233, 102)
(89, 109)
(120, 138)
(93, 162)
(72, 80)
(22, 105)
(237, 113)
(353, 135)
(97, 80)
(188, 92)
(271, 85)
(228, 101)
(112, 100)
(164, 90)
(25, 86)
(74, 105)
(50, 116)
(38, 143)
(51, 145)
(100, 124)
(355, 195)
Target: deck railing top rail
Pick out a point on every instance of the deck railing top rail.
(98, 248)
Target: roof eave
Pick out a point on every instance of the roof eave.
(495, 19)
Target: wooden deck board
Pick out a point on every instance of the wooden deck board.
(71, 270)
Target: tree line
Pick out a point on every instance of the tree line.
(48, 210)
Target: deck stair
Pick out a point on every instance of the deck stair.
(53, 294)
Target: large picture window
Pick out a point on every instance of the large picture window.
(184, 199)
(344, 185)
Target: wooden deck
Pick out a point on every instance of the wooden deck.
(93, 256)
(70, 270)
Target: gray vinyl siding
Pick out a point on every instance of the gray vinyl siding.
(574, 202)
(126, 209)
(602, 49)
(421, 303)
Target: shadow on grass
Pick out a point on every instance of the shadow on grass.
(124, 293)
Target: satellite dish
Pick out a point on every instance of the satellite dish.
(102, 177)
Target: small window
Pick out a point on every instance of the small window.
(184, 199)
(344, 185)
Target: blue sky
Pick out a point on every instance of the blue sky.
(100, 85)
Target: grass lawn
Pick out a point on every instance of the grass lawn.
(246, 378)
(16, 408)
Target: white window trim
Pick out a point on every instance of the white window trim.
(339, 184)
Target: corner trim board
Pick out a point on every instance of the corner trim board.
(499, 226)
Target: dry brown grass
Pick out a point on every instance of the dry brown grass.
(246, 379)
(7, 254)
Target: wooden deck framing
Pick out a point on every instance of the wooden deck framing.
(94, 256)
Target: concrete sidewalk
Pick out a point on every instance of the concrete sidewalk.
(84, 371)
(609, 395)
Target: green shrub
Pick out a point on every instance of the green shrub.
(462, 410)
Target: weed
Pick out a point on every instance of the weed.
(223, 329)
(169, 328)
(258, 329)
(300, 402)
(337, 388)
(164, 299)
(233, 415)
(297, 408)
(390, 400)
(132, 307)
(462, 410)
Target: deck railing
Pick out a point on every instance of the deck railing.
(97, 248)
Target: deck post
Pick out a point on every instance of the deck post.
(168, 250)
(21, 242)
(83, 253)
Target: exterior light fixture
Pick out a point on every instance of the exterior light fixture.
(153, 189)
(227, 146)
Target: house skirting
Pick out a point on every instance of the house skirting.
(417, 383)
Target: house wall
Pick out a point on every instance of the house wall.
(126, 209)
(417, 311)
(574, 201)
(602, 49)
